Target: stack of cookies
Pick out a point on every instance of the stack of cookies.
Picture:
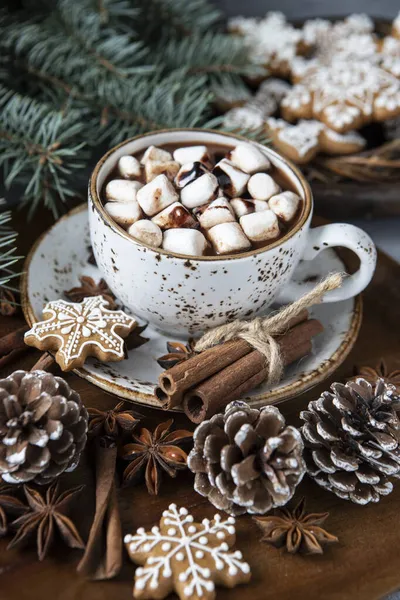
(343, 77)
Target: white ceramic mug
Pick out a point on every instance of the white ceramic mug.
(184, 295)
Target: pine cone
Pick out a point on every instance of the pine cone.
(43, 427)
(352, 439)
(247, 460)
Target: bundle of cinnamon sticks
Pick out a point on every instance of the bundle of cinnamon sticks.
(207, 382)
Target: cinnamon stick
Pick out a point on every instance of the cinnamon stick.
(13, 341)
(173, 383)
(45, 363)
(103, 554)
(213, 394)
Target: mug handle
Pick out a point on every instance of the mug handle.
(329, 236)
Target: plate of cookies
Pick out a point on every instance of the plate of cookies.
(329, 100)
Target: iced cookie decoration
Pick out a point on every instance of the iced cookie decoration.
(272, 41)
(186, 557)
(303, 141)
(344, 95)
(74, 331)
(396, 27)
(254, 113)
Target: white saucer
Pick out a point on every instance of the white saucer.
(60, 256)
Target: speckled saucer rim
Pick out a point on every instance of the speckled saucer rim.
(287, 392)
(97, 204)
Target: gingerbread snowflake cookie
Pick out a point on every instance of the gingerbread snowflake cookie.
(303, 141)
(396, 27)
(254, 113)
(186, 557)
(75, 331)
(272, 41)
(344, 95)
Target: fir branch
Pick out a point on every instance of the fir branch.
(103, 70)
(39, 147)
(210, 53)
(72, 45)
(166, 18)
(177, 102)
(8, 256)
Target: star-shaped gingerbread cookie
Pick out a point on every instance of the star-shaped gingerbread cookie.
(186, 557)
(75, 331)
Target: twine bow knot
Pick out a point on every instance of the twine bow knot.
(261, 332)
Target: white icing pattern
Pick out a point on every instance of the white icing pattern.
(303, 137)
(345, 91)
(76, 325)
(272, 41)
(185, 555)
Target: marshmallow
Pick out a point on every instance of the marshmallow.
(189, 172)
(285, 205)
(156, 195)
(231, 179)
(262, 187)
(200, 191)
(175, 215)
(153, 168)
(122, 190)
(198, 210)
(261, 226)
(154, 153)
(219, 211)
(192, 154)
(124, 213)
(249, 158)
(227, 238)
(242, 206)
(190, 242)
(147, 232)
(129, 167)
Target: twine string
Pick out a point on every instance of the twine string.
(260, 332)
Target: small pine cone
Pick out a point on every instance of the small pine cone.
(247, 460)
(352, 437)
(43, 427)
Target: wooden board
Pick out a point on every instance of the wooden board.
(363, 566)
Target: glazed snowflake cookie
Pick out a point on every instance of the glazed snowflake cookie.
(75, 331)
(344, 95)
(396, 27)
(272, 41)
(303, 141)
(254, 113)
(186, 557)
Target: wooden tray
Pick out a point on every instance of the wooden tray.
(363, 566)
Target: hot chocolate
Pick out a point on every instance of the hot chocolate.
(201, 200)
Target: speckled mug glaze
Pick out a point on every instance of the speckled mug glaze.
(184, 295)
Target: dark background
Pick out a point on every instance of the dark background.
(297, 9)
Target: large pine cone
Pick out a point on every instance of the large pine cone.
(43, 427)
(352, 440)
(247, 460)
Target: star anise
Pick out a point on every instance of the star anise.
(47, 513)
(154, 452)
(8, 304)
(296, 529)
(9, 506)
(89, 288)
(135, 339)
(111, 423)
(177, 353)
(381, 371)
